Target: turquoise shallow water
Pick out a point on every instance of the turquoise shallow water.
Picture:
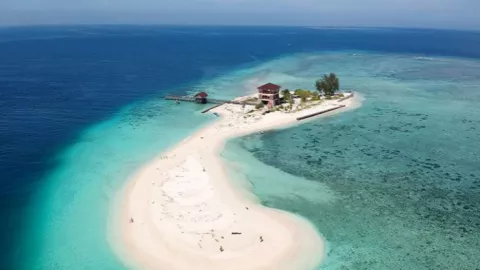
(76, 202)
(396, 178)
(392, 185)
(69, 216)
(68, 143)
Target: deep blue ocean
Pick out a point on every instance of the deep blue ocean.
(392, 185)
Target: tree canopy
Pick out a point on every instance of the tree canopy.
(303, 93)
(328, 84)
(286, 94)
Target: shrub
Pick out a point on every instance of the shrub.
(251, 99)
(303, 93)
(259, 106)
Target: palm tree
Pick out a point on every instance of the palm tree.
(328, 84)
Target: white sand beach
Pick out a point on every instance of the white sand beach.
(187, 214)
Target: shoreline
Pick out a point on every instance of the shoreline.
(187, 212)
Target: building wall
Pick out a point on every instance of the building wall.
(273, 99)
(268, 91)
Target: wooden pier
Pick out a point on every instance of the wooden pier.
(217, 102)
(192, 99)
(320, 112)
(209, 100)
(180, 98)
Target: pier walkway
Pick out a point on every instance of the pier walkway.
(217, 102)
(192, 99)
(320, 112)
(209, 100)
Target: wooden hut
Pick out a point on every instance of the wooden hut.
(201, 98)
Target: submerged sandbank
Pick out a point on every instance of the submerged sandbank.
(181, 211)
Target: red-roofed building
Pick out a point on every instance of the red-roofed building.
(201, 97)
(269, 93)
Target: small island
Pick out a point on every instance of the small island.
(182, 208)
(271, 99)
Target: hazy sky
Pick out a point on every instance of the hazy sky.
(407, 13)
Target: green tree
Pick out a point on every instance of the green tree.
(286, 94)
(303, 94)
(328, 84)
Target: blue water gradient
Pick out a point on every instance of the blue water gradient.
(81, 110)
(76, 201)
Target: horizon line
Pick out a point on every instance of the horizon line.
(346, 27)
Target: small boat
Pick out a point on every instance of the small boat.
(216, 114)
